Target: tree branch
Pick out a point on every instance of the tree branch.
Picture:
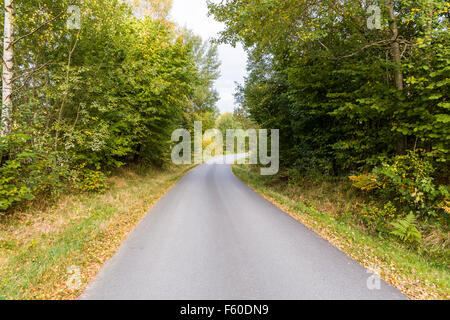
(30, 73)
(40, 27)
(374, 44)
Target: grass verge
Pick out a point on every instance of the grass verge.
(413, 273)
(53, 253)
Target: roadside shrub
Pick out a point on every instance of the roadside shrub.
(407, 181)
(92, 181)
(378, 218)
(11, 189)
(26, 172)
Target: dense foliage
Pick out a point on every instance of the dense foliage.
(349, 99)
(92, 99)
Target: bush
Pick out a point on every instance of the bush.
(407, 181)
(92, 181)
(12, 190)
(378, 218)
(26, 172)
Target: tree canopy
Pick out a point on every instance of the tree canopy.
(352, 96)
(341, 92)
(93, 98)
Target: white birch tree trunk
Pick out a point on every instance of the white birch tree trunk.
(8, 68)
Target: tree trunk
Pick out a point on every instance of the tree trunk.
(402, 143)
(8, 67)
(395, 46)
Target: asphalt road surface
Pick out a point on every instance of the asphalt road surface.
(212, 237)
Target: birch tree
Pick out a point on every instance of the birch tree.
(8, 67)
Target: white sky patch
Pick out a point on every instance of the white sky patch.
(194, 15)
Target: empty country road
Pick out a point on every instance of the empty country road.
(212, 237)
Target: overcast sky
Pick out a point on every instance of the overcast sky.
(194, 15)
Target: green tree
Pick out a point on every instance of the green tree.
(90, 99)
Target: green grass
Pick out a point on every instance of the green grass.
(37, 246)
(325, 208)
